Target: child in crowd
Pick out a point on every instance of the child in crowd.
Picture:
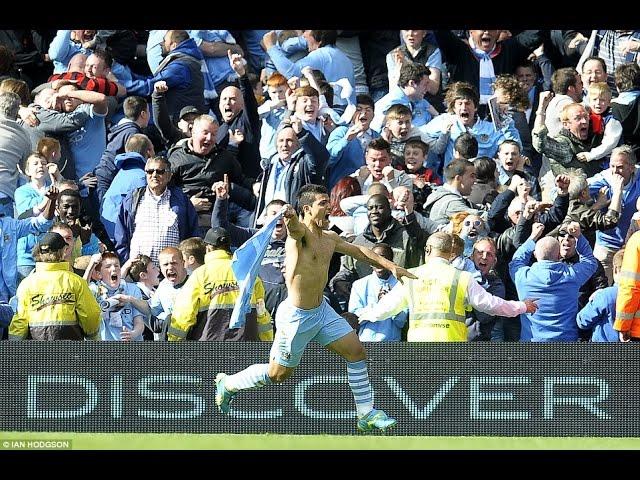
(415, 154)
(599, 314)
(397, 131)
(271, 113)
(193, 251)
(347, 144)
(121, 302)
(369, 291)
(146, 275)
(31, 196)
(51, 150)
(606, 129)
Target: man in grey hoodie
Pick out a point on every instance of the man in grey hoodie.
(15, 147)
(441, 204)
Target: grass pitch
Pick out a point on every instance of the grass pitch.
(12, 441)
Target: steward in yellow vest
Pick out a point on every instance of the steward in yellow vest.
(439, 299)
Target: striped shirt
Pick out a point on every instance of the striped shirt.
(100, 85)
(155, 226)
(610, 51)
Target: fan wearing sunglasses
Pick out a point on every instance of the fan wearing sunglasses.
(469, 228)
(154, 217)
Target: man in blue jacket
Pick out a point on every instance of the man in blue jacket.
(554, 283)
(180, 68)
(599, 314)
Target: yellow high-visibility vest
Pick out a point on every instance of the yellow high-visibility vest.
(439, 309)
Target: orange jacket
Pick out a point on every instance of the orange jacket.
(628, 301)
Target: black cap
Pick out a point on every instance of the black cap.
(187, 110)
(218, 237)
(51, 242)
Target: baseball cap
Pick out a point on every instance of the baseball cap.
(187, 110)
(217, 237)
(51, 242)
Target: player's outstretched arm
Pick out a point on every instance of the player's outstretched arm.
(367, 255)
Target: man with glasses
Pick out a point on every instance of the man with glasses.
(154, 217)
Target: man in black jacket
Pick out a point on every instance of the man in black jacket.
(300, 160)
(199, 162)
(239, 111)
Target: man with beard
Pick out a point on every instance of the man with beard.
(347, 144)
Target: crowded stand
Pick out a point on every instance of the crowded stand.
(499, 168)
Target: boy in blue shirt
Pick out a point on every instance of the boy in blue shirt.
(368, 291)
(121, 302)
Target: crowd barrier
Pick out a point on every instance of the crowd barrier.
(468, 389)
